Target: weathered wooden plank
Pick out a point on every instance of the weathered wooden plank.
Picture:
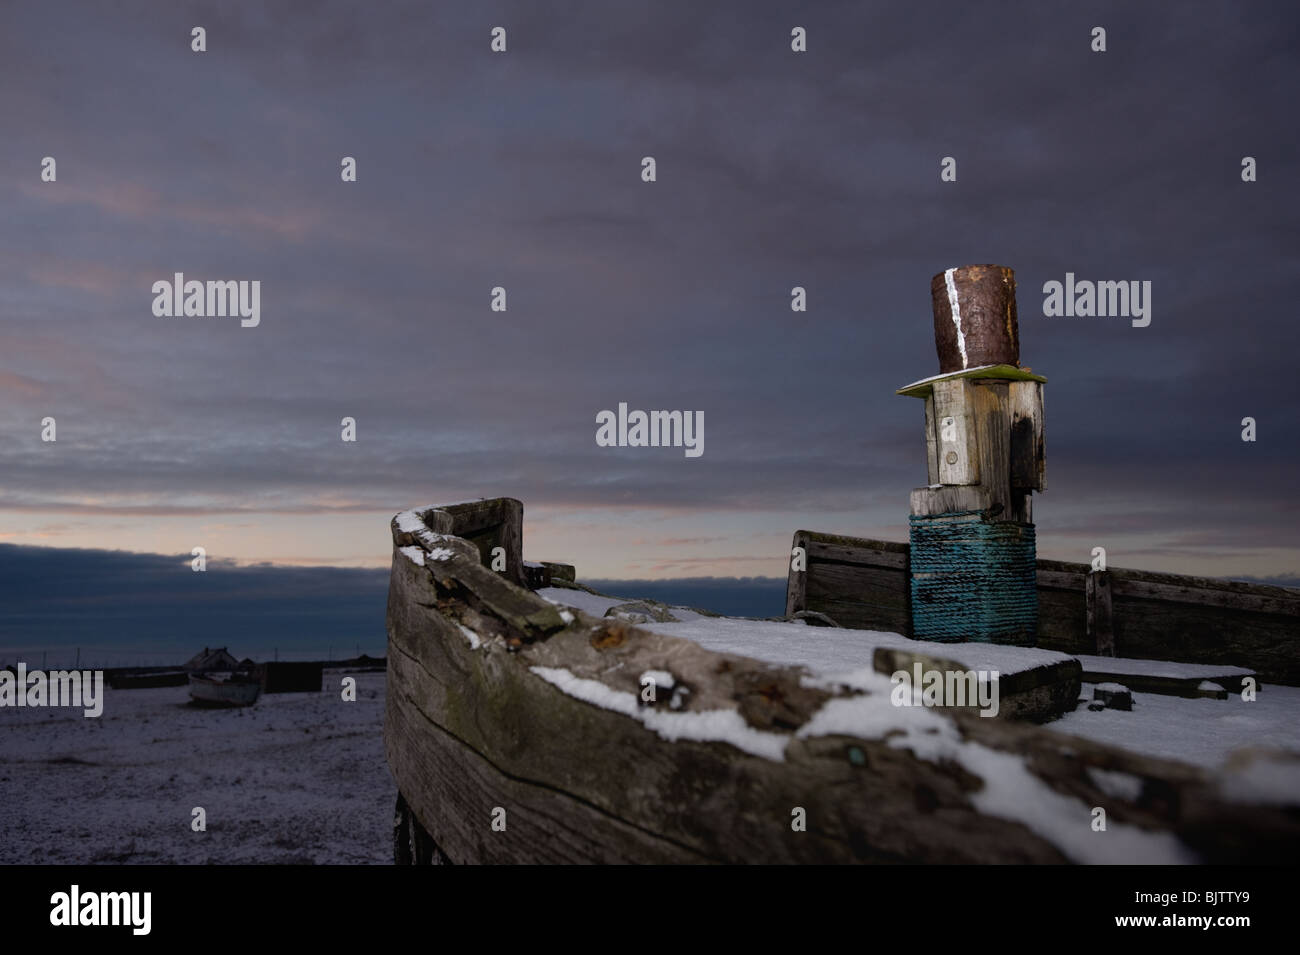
(1131, 584)
(1179, 588)
(955, 434)
(931, 443)
(992, 438)
(486, 525)
(560, 570)
(1028, 440)
(455, 789)
(1136, 675)
(824, 551)
(1062, 621)
(855, 581)
(1176, 588)
(1039, 693)
(945, 499)
(1100, 618)
(1063, 579)
(863, 598)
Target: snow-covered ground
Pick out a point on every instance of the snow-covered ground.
(829, 650)
(1202, 731)
(296, 778)
(1157, 668)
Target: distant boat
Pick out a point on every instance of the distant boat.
(233, 689)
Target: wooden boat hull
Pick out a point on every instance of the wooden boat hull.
(515, 734)
(223, 693)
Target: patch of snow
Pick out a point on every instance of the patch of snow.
(409, 522)
(414, 554)
(592, 604)
(1263, 782)
(831, 650)
(597, 604)
(1198, 731)
(268, 771)
(1165, 668)
(724, 726)
(1207, 685)
(685, 614)
(1115, 783)
(1010, 790)
(471, 636)
(441, 553)
(566, 616)
(1112, 687)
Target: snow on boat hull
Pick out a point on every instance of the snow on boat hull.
(208, 691)
(521, 732)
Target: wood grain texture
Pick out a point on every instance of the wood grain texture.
(1028, 438)
(1100, 612)
(931, 443)
(928, 501)
(955, 432)
(992, 416)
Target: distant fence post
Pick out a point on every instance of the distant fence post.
(1101, 628)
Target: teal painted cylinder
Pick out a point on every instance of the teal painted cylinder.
(973, 579)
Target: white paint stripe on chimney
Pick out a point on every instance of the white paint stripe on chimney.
(956, 313)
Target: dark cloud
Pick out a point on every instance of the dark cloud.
(522, 170)
(120, 608)
(152, 608)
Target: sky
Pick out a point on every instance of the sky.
(522, 170)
